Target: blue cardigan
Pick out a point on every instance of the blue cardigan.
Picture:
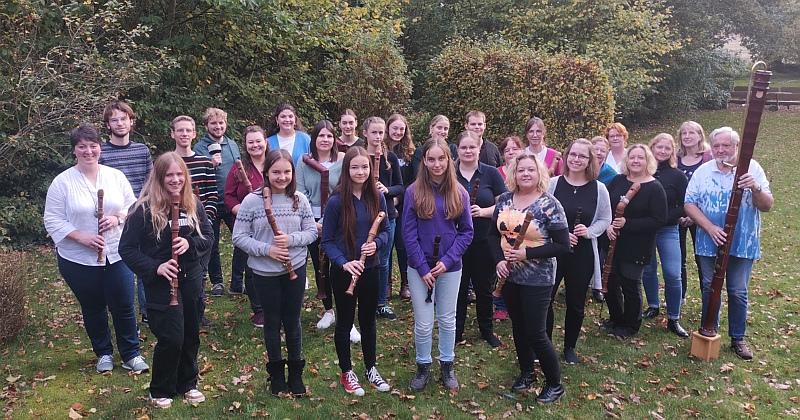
(302, 145)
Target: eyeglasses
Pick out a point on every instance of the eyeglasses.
(573, 155)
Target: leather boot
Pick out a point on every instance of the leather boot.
(524, 381)
(675, 327)
(448, 375)
(422, 377)
(296, 385)
(277, 377)
(405, 294)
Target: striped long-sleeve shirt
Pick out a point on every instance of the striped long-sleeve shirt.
(133, 160)
(202, 172)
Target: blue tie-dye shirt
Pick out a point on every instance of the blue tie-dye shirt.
(710, 189)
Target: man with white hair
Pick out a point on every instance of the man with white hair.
(706, 202)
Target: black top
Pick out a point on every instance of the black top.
(344, 147)
(674, 182)
(492, 185)
(688, 170)
(392, 180)
(644, 215)
(416, 160)
(572, 198)
(142, 253)
(490, 154)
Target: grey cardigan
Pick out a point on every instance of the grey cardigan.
(600, 222)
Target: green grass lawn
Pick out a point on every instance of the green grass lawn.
(49, 368)
(778, 80)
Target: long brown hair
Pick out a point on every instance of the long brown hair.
(404, 149)
(272, 158)
(450, 189)
(249, 167)
(157, 198)
(369, 195)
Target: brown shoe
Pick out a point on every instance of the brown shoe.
(741, 349)
(405, 294)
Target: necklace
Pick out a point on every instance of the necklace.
(89, 188)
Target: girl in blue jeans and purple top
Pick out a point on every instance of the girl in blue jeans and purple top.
(435, 205)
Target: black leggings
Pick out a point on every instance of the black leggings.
(624, 297)
(366, 294)
(576, 269)
(281, 300)
(479, 268)
(527, 307)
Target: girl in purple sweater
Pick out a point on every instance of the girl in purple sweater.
(435, 205)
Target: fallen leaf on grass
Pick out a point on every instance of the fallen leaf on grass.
(483, 385)
(74, 415)
(77, 406)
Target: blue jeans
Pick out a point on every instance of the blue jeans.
(669, 251)
(140, 294)
(100, 289)
(445, 296)
(737, 282)
(385, 268)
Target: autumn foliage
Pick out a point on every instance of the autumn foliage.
(511, 83)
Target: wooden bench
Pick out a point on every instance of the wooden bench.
(786, 96)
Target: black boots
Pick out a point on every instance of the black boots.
(650, 312)
(405, 294)
(296, 386)
(448, 376)
(422, 377)
(550, 394)
(524, 381)
(277, 377)
(674, 326)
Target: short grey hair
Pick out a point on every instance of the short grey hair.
(715, 133)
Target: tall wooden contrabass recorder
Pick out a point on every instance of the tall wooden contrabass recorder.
(324, 184)
(265, 194)
(518, 240)
(756, 99)
(100, 213)
(619, 212)
(373, 232)
(174, 229)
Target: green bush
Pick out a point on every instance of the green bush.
(20, 222)
(511, 83)
(13, 296)
(372, 78)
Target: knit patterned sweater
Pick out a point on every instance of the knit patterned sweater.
(253, 235)
(133, 160)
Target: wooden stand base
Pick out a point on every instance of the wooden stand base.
(705, 348)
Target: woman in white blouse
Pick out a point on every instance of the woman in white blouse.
(100, 282)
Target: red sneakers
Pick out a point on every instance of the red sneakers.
(350, 382)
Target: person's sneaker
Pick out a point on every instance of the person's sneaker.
(386, 312)
(137, 364)
(258, 319)
(205, 322)
(326, 321)
(355, 336)
(376, 381)
(194, 396)
(145, 321)
(161, 402)
(739, 347)
(471, 297)
(105, 363)
(598, 296)
(217, 290)
(500, 315)
(350, 382)
(570, 357)
(236, 291)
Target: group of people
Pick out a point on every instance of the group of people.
(347, 201)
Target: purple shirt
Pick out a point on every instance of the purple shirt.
(419, 234)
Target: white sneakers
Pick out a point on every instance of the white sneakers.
(355, 336)
(326, 321)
